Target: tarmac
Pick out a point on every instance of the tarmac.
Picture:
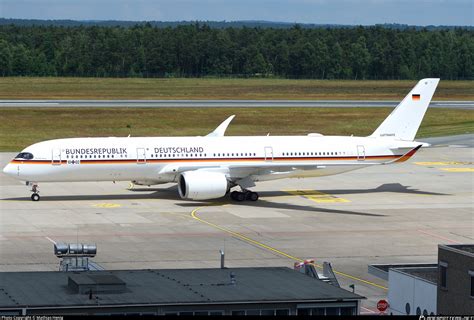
(381, 214)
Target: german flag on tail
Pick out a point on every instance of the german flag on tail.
(415, 97)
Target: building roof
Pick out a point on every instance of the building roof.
(169, 286)
(381, 270)
(429, 274)
(461, 248)
(386, 267)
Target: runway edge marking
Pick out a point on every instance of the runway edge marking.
(262, 245)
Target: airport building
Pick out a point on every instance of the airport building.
(223, 291)
(456, 279)
(443, 288)
(420, 299)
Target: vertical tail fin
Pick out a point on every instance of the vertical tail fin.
(405, 119)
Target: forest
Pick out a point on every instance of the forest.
(198, 50)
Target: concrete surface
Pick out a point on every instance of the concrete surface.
(385, 214)
(220, 103)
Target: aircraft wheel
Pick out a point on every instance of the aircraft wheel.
(240, 196)
(35, 197)
(253, 196)
(233, 195)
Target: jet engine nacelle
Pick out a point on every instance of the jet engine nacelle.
(202, 185)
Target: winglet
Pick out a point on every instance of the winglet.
(220, 130)
(406, 156)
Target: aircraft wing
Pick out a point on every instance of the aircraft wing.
(220, 130)
(243, 169)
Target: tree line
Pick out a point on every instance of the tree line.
(198, 51)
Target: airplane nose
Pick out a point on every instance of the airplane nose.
(9, 170)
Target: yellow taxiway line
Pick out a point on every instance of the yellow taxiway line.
(262, 245)
(107, 205)
(458, 169)
(316, 196)
(442, 163)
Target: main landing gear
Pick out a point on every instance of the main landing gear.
(35, 196)
(244, 195)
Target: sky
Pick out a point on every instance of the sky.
(358, 12)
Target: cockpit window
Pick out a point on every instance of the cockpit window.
(24, 155)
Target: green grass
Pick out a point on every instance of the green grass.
(22, 127)
(216, 88)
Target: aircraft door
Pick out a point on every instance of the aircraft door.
(56, 157)
(268, 154)
(141, 155)
(360, 153)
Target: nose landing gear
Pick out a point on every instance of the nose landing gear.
(35, 196)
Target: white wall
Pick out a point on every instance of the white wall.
(403, 288)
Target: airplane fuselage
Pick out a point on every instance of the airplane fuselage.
(159, 160)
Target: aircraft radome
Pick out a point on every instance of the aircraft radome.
(209, 167)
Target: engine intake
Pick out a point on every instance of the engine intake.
(202, 185)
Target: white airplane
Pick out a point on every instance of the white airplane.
(208, 167)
